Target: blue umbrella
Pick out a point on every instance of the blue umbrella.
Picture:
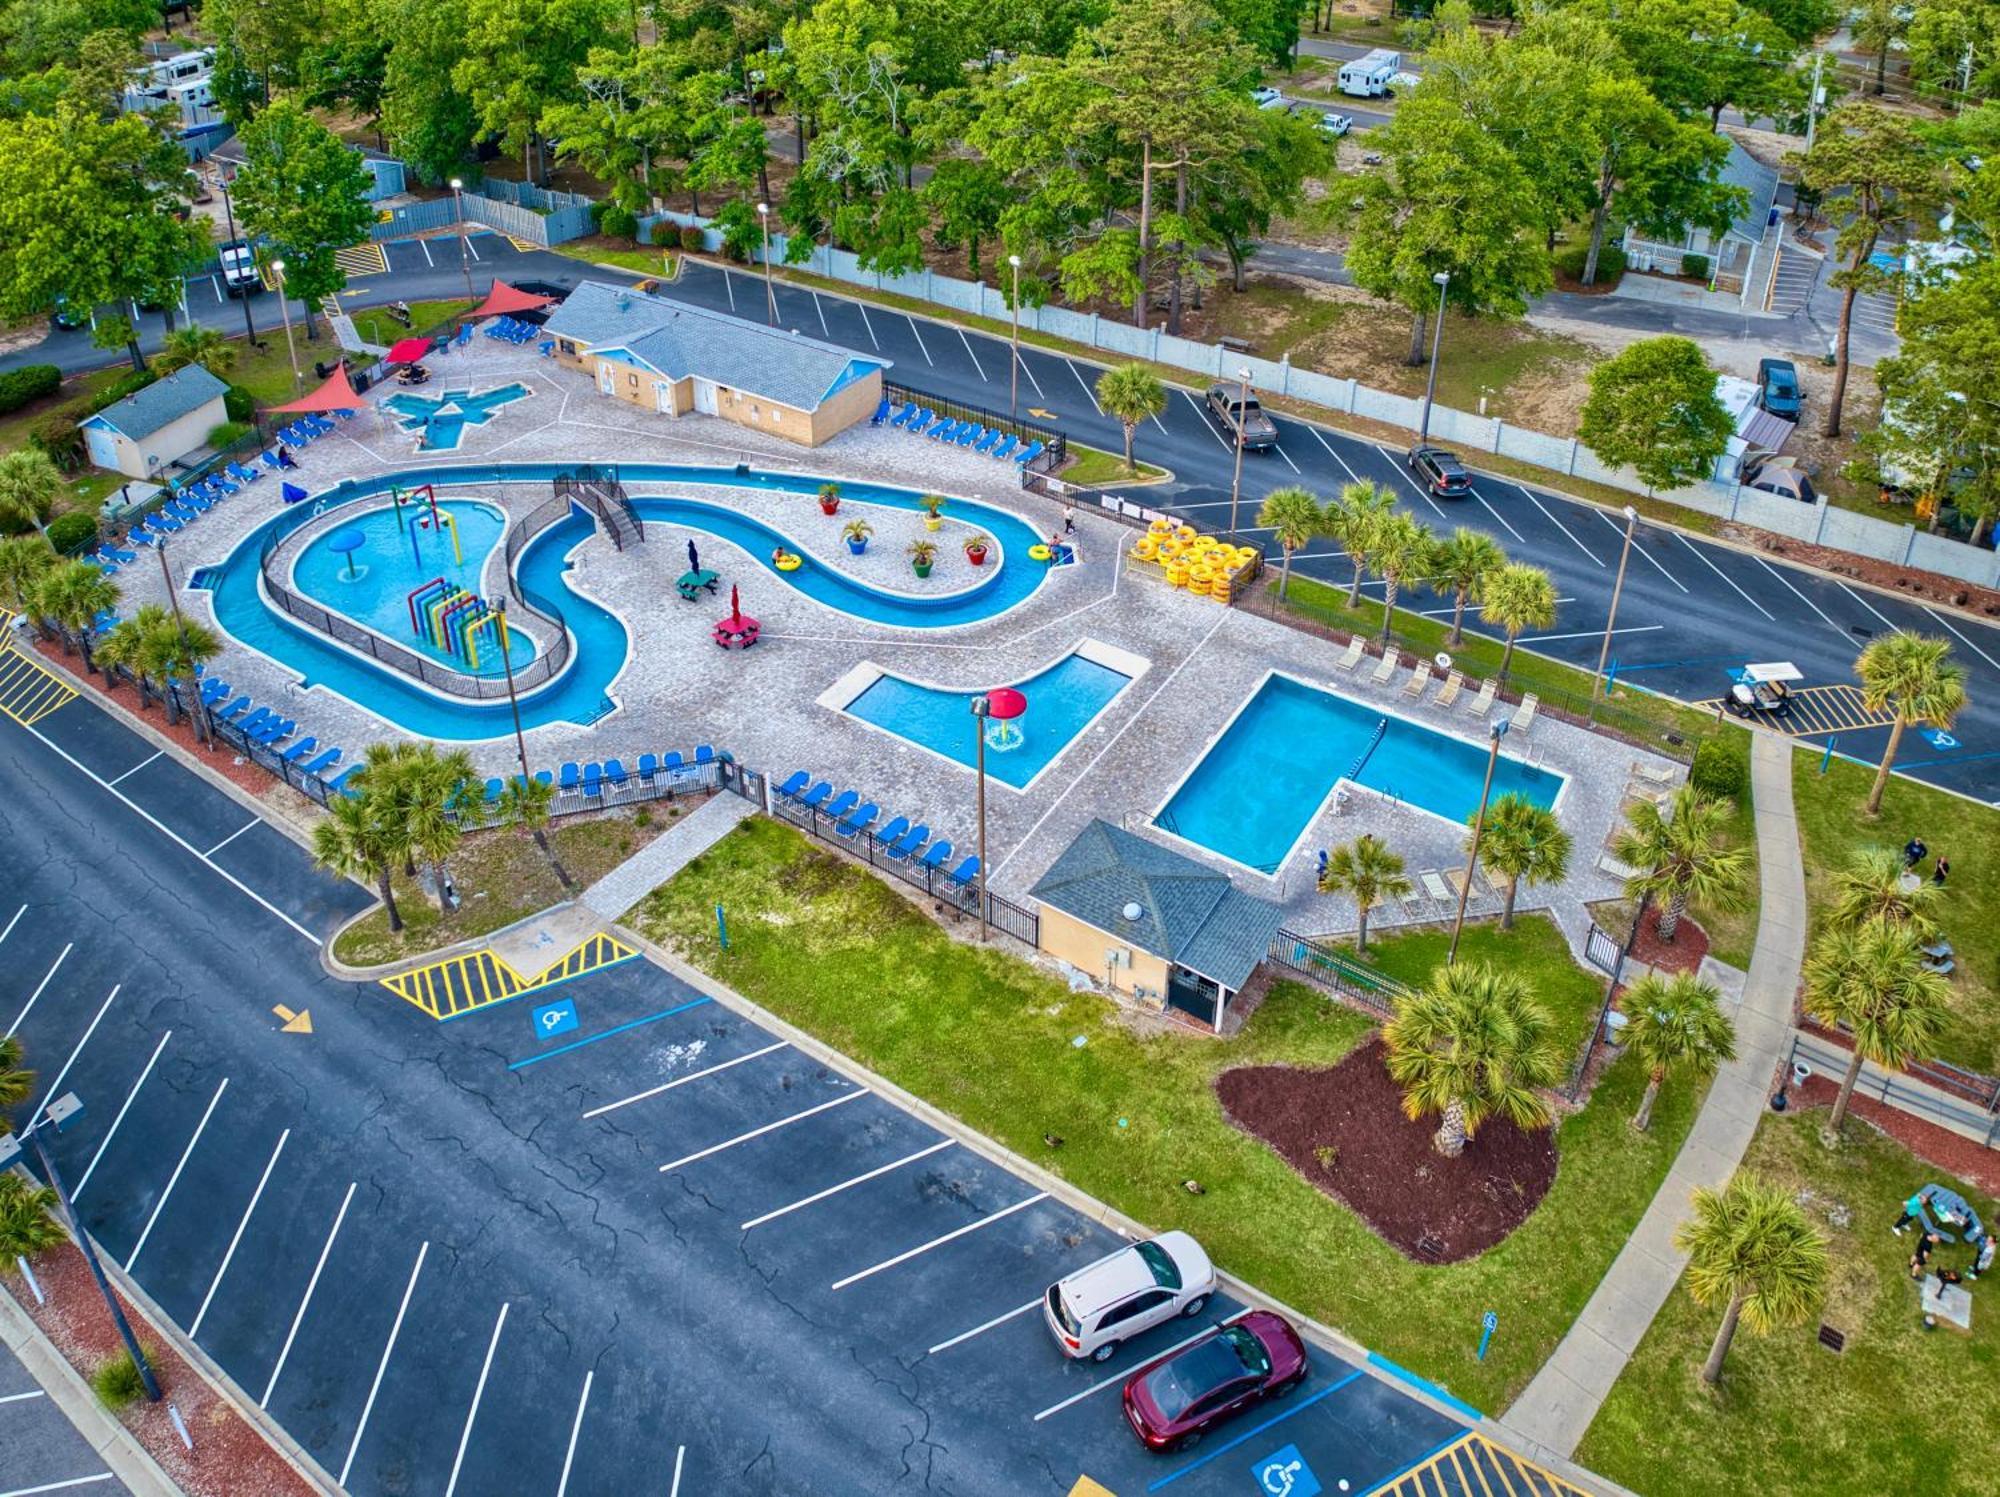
(293, 493)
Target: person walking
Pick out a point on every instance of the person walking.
(1921, 1258)
(1939, 872)
(1913, 852)
(1069, 520)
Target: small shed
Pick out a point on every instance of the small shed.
(1733, 257)
(149, 429)
(1153, 923)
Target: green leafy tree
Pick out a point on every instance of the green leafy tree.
(1463, 564)
(1295, 519)
(1875, 980)
(1751, 1249)
(262, 48)
(1653, 408)
(967, 195)
(1878, 26)
(302, 189)
(1130, 394)
(1356, 520)
(1910, 677)
(1875, 886)
(1367, 872)
(524, 806)
(39, 34)
(28, 1227)
(29, 488)
(1472, 1044)
(197, 344)
(1683, 855)
(521, 60)
(438, 796)
(1514, 598)
(1677, 1027)
(427, 116)
(1700, 57)
(358, 840)
(1522, 840)
(124, 645)
(1650, 169)
(1405, 551)
(23, 560)
(1954, 48)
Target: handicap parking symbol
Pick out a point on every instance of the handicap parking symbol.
(552, 1019)
(1937, 738)
(1284, 1473)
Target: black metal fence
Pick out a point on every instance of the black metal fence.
(1831, 1061)
(598, 490)
(1608, 954)
(1139, 516)
(1336, 972)
(1982, 1092)
(1055, 446)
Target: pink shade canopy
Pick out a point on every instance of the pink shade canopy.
(335, 395)
(1004, 702)
(408, 351)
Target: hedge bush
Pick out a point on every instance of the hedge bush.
(29, 382)
(73, 533)
(1694, 266)
(58, 434)
(691, 239)
(228, 433)
(238, 404)
(116, 391)
(616, 220)
(1716, 771)
(1610, 263)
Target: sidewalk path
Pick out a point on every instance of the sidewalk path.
(1552, 1415)
(667, 854)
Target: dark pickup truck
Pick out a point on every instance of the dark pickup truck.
(1229, 409)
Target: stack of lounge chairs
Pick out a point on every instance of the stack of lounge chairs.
(991, 441)
(897, 843)
(512, 330)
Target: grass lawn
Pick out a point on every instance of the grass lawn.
(87, 489)
(376, 326)
(599, 250)
(1094, 467)
(1832, 829)
(502, 877)
(990, 1038)
(1901, 1408)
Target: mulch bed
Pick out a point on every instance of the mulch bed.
(1964, 1157)
(1682, 954)
(1343, 1129)
(1927, 586)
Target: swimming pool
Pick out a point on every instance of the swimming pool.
(1063, 700)
(441, 420)
(1266, 776)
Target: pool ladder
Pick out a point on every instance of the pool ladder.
(1360, 759)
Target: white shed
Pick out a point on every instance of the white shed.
(149, 429)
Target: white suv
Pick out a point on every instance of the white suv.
(1097, 1309)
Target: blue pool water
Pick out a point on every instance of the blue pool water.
(1062, 700)
(443, 418)
(1256, 790)
(395, 559)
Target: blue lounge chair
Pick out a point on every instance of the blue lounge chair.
(254, 721)
(817, 794)
(242, 474)
(965, 872)
(593, 780)
(703, 754)
(493, 790)
(909, 842)
(649, 765)
(973, 432)
(140, 535)
(1007, 444)
(844, 802)
(858, 818)
(299, 750)
(123, 558)
(235, 709)
(270, 460)
(570, 776)
(614, 771)
(943, 431)
(673, 760)
(213, 691)
(902, 416)
(881, 413)
(986, 443)
(921, 420)
(794, 783)
(939, 854)
(888, 835)
(323, 762)
(1028, 455)
(339, 782)
(275, 728)
(164, 521)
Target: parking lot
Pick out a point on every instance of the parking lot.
(40, 1450)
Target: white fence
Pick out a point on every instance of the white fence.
(540, 218)
(1818, 524)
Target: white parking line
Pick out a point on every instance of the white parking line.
(820, 307)
(424, 245)
(1089, 393)
(920, 340)
(175, 1178)
(1334, 453)
(479, 1392)
(4, 934)
(471, 248)
(654, 1091)
(38, 990)
(1402, 471)
(248, 1211)
(1202, 416)
(680, 1455)
(55, 1087)
(24, 1397)
(59, 1486)
(920, 1250)
(1542, 639)
(1028, 370)
(1279, 449)
(729, 289)
(1800, 596)
(575, 1429)
(124, 1107)
(1889, 622)
(139, 766)
(1932, 612)
(743, 1138)
(977, 1330)
(1559, 524)
(834, 1190)
(253, 821)
(1725, 577)
(1118, 1378)
(1639, 550)
(870, 326)
(395, 1330)
(973, 356)
(1498, 516)
(311, 1284)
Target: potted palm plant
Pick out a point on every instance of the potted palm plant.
(976, 547)
(923, 554)
(932, 503)
(856, 533)
(829, 498)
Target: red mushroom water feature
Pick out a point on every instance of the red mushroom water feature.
(739, 630)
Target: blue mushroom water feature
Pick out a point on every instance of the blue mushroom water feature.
(347, 541)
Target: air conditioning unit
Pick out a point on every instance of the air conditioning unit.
(1117, 956)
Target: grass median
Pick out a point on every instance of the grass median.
(992, 1039)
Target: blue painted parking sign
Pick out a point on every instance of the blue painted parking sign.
(1937, 738)
(1284, 1473)
(552, 1019)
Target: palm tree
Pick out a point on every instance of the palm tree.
(1522, 840)
(1405, 550)
(1516, 597)
(386, 777)
(1909, 676)
(439, 795)
(1369, 873)
(29, 484)
(1874, 979)
(1129, 394)
(17, 1083)
(196, 344)
(1876, 886)
(173, 647)
(28, 1227)
(1463, 564)
(354, 841)
(1682, 855)
(23, 560)
(1295, 519)
(125, 645)
(72, 594)
(1677, 1024)
(1355, 520)
(1471, 1044)
(1751, 1248)
(524, 805)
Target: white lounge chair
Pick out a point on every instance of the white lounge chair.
(1659, 774)
(1352, 658)
(1524, 715)
(1420, 678)
(1385, 670)
(1618, 870)
(1480, 704)
(1437, 888)
(1448, 693)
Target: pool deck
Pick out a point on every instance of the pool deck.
(678, 689)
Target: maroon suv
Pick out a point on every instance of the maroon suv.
(1171, 1403)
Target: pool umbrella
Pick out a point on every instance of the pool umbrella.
(292, 493)
(408, 351)
(694, 563)
(739, 630)
(346, 541)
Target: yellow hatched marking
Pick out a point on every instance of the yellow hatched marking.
(1457, 1458)
(460, 984)
(362, 259)
(29, 690)
(525, 246)
(1478, 1470)
(1819, 709)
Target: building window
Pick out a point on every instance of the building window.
(567, 348)
(634, 378)
(774, 415)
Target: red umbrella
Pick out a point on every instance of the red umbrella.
(735, 607)
(408, 351)
(1005, 702)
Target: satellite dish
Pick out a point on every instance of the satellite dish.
(1443, 660)
(1133, 910)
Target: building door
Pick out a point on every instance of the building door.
(605, 379)
(704, 397)
(1194, 995)
(663, 398)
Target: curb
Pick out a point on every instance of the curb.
(401, 965)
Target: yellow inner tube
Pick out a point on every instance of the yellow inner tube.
(788, 562)
(1188, 534)
(1158, 528)
(1145, 547)
(1038, 553)
(1169, 549)
(1177, 574)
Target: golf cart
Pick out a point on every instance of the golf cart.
(1759, 691)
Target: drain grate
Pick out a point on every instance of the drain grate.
(1831, 1339)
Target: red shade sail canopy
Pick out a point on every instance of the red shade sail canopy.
(408, 351)
(1004, 702)
(335, 395)
(505, 298)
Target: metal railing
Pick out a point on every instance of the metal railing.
(1982, 1091)
(1607, 953)
(1922, 1103)
(599, 491)
(1329, 968)
(1055, 446)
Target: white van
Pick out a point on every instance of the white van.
(1100, 1307)
(1372, 76)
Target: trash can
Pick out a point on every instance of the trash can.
(1614, 1028)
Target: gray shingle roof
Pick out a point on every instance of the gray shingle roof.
(162, 403)
(1188, 913)
(1741, 169)
(679, 340)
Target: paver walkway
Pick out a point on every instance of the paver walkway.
(1552, 1415)
(659, 860)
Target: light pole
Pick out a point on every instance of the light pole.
(1617, 587)
(1002, 704)
(514, 702)
(55, 1114)
(291, 350)
(229, 216)
(1478, 828)
(770, 293)
(1236, 479)
(1014, 371)
(199, 712)
(464, 241)
(1443, 280)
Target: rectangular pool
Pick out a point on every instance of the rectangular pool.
(1265, 778)
(1063, 700)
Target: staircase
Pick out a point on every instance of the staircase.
(599, 492)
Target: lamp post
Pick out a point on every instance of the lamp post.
(464, 240)
(1443, 279)
(1002, 704)
(229, 216)
(770, 292)
(1617, 587)
(1478, 828)
(1236, 479)
(204, 729)
(291, 349)
(1014, 370)
(514, 702)
(55, 1114)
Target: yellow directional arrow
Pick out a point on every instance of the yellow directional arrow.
(1085, 1487)
(295, 1023)
(1037, 411)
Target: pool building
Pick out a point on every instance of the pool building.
(675, 358)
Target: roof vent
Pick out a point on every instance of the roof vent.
(1132, 911)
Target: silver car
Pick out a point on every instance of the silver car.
(1098, 1308)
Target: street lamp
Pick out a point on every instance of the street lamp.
(1014, 372)
(464, 242)
(55, 1115)
(1617, 587)
(229, 216)
(1002, 704)
(1443, 280)
(1236, 479)
(1478, 828)
(291, 351)
(204, 727)
(770, 293)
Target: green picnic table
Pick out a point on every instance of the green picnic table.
(691, 584)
